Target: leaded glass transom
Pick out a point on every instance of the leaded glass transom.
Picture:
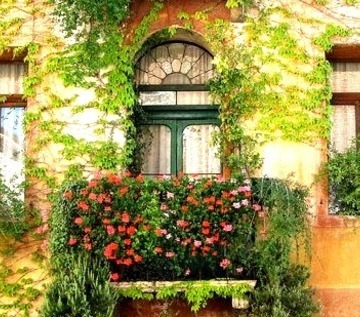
(175, 64)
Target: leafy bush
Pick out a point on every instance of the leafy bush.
(80, 288)
(343, 170)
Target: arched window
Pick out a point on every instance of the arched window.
(179, 118)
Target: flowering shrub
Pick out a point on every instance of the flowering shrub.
(164, 229)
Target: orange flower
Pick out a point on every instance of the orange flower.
(205, 224)
(68, 194)
(184, 208)
(125, 217)
(127, 241)
(123, 191)
(158, 250)
(78, 220)
(121, 229)
(137, 258)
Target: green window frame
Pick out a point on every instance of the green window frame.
(174, 95)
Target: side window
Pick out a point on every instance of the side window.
(12, 108)
(343, 170)
(346, 97)
(179, 119)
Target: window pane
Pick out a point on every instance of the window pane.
(343, 130)
(193, 98)
(12, 143)
(158, 98)
(199, 155)
(11, 78)
(156, 140)
(346, 77)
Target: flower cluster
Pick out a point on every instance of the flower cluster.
(173, 228)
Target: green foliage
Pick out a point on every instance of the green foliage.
(343, 171)
(12, 211)
(196, 293)
(282, 288)
(325, 41)
(79, 287)
(237, 3)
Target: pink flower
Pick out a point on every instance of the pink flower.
(78, 220)
(83, 205)
(197, 243)
(170, 254)
(227, 228)
(225, 263)
(245, 202)
(163, 207)
(110, 230)
(92, 196)
(236, 205)
(256, 207)
(243, 189)
(72, 241)
(169, 195)
(187, 272)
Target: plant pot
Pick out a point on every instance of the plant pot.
(177, 305)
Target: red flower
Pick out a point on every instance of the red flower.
(88, 246)
(131, 230)
(205, 231)
(139, 178)
(92, 183)
(219, 202)
(127, 241)
(87, 229)
(125, 217)
(130, 252)
(83, 205)
(68, 194)
(72, 241)
(107, 208)
(208, 183)
(127, 173)
(184, 208)
(84, 192)
(115, 276)
(211, 208)
(128, 261)
(114, 179)
(205, 224)
(78, 220)
(110, 249)
(121, 229)
(137, 258)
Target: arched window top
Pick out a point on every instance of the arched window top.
(175, 63)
